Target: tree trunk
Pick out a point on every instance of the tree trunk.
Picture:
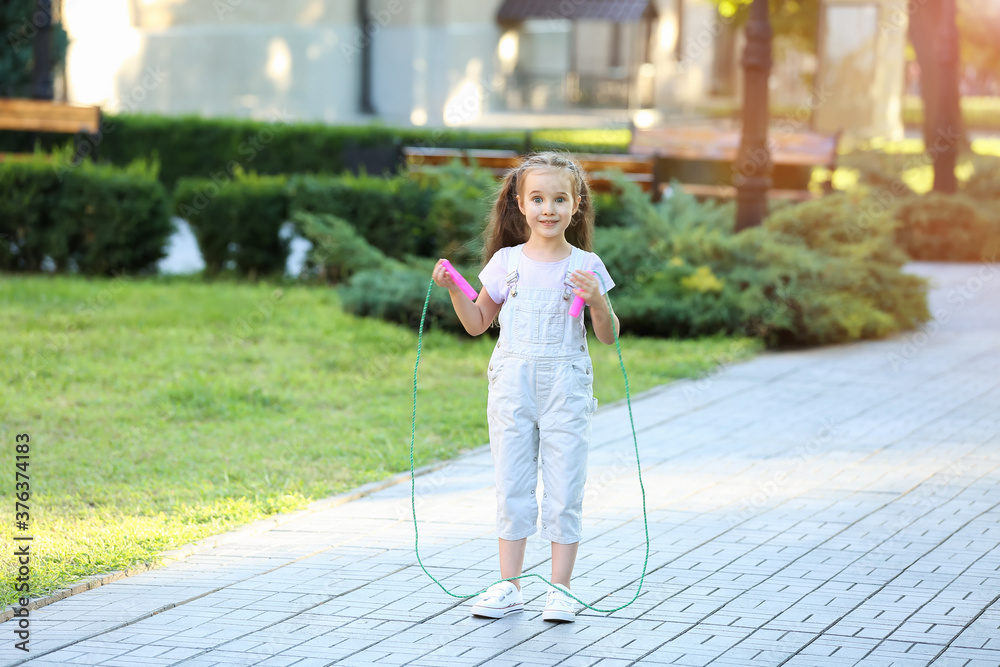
(949, 130)
(925, 33)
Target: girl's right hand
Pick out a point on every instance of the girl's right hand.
(442, 278)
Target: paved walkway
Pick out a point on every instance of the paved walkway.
(836, 506)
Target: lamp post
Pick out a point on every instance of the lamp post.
(367, 107)
(752, 170)
(42, 88)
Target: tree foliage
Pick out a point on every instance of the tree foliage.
(978, 27)
(796, 20)
(17, 57)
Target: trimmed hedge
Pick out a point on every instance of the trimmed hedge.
(28, 192)
(95, 219)
(438, 212)
(195, 147)
(238, 222)
(390, 213)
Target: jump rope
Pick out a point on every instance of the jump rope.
(574, 311)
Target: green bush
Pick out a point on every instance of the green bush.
(398, 296)
(95, 219)
(194, 147)
(28, 192)
(809, 275)
(624, 206)
(984, 184)
(882, 171)
(112, 219)
(237, 221)
(17, 62)
(338, 251)
(390, 213)
(856, 288)
(663, 269)
(946, 227)
(460, 207)
(803, 277)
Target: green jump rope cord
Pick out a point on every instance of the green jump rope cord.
(413, 424)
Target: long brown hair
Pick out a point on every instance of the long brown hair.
(507, 226)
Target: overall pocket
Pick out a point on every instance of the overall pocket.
(583, 372)
(494, 369)
(540, 324)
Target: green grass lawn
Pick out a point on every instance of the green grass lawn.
(163, 410)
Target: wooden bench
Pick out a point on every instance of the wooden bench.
(44, 116)
(637, 169)
(790, 151)
(648, 163)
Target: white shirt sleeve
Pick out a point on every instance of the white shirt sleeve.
(494, 276)
(594, 263)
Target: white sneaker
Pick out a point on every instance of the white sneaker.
(559, 607)
(498, 600)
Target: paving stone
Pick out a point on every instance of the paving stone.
(830, 506)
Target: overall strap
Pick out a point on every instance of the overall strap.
(513, 260)
(575, 262)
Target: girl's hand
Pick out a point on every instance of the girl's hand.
(588, 286)
(442, 278)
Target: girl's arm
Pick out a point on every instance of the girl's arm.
(600, 315)
(602, 318)
(475, 316)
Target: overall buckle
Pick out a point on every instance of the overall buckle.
(512, 282)
(568, 292)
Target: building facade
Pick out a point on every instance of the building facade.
(419, 62)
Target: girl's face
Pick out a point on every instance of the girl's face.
(548, 201)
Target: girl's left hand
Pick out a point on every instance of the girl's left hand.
(588, 286)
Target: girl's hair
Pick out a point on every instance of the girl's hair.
(507, 225)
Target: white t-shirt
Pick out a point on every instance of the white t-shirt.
(536, 274)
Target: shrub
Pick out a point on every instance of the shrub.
(460, 206)
(239, 222)
(28, 191)
(19, 25)
(809, 275)
(193, 147)
(95, 219)
(111, 219)
(801, 278)
(398, 296)
(946, 227)
(624, 206)
(855, 289)
(984, 184)
(882, 171)
(390, 213)
(338, 250)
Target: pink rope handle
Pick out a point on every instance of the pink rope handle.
(577, 306)
(462, 283)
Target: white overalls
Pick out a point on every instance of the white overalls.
(539, 409)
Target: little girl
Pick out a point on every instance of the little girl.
(537, 259)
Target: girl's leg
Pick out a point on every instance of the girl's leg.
(512, 558)
(563, 559)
